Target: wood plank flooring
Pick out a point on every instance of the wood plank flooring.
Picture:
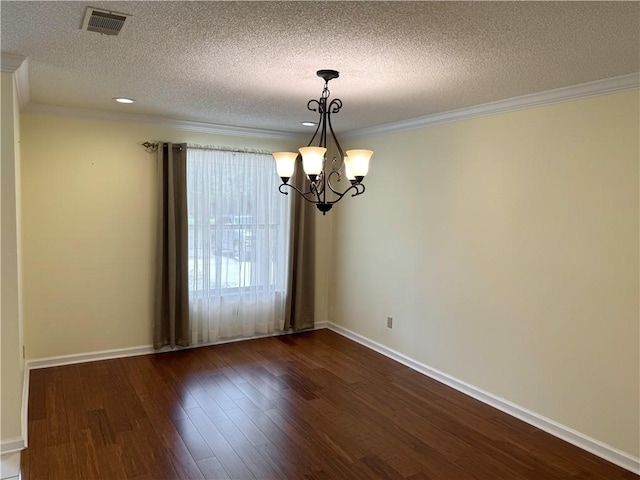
(313, 405)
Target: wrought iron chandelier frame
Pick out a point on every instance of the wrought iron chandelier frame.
(319, 184)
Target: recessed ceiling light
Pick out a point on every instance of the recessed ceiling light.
(309, 124)
(124, 100)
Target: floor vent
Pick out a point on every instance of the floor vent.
(102, 21)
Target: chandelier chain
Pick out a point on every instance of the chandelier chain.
(325, 91)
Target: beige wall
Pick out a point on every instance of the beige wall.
(506, 249)
(89, 223)
(10, 310)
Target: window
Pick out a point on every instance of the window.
(238, 244)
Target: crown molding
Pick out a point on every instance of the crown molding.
(590, 89)
(19, 66)
(10, 62)
(201, 127)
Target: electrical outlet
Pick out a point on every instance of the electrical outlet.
(389, 322)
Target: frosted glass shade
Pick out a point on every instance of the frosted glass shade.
(285, 163)
(358, 162)
(312, 159)
(347, 171)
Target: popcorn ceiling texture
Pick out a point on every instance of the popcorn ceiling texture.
(253, 64)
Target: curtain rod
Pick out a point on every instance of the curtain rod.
(152, 146)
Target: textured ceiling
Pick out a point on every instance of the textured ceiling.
(252, 64)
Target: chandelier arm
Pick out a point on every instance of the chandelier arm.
(359, 190)
(336, 172)
(310, 103)
(304, 195)
(319, 110)
(324, 115)
(355, 187)
(358, 187)
(314, 134)
(314, 190)
(336, 164)
(335, 105)
(319, 183)
(282, 190)
(335, 139)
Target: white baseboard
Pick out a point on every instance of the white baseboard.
(25, 406)
(320, 325)
(12, 445)
(88, 357)
(140, 350)
(602, 450)
(10, 450)
(10, 466)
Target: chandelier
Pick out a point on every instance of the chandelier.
(321, 175)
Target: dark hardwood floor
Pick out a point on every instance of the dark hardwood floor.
(307, 406)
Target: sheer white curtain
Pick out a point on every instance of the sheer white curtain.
(238, 245)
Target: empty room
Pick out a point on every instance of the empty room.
(320, 240)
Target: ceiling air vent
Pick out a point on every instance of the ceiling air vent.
(102, 21)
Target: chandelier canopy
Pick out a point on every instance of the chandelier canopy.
(320, 173)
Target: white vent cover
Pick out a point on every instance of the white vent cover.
(102, 21)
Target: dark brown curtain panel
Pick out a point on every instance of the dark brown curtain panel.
(300, 307)
(171, 322)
